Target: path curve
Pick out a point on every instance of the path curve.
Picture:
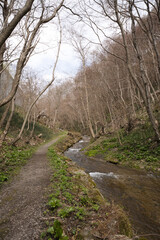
(22, 201)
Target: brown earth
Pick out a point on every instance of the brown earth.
(22, 201)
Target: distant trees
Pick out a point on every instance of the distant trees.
(124, 75)
(119, 78)
(82, 48)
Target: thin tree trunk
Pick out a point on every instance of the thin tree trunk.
(33, 127)
(2, 51)
(28, 126)
(87, 101)
(132, 98)
(110, 113)
(120, 88)
(157, 75)
(5, 132)
(4, 115)
(55, 116)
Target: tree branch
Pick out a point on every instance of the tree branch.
(76, 14)
(6, 31)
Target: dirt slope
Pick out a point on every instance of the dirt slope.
(22, 201)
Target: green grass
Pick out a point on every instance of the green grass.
(63, 201)
(137, 149)
(11, 159)
(55, 231)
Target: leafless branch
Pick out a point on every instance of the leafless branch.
(76, 14)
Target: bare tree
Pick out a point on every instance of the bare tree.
(120, 12)
(82, 48)
(144, 77)
(30, 42)
(8, 28)
(150, 24)
(45, 88)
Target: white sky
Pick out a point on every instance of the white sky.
(43, 62)
(68, 63)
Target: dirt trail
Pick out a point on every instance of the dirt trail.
(22, 200)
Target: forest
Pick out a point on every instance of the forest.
(117, 82)
(79, 96)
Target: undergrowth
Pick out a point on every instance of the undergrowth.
(137, 149)
(17, 121)
(11, 159)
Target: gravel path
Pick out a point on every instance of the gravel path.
(22, 200)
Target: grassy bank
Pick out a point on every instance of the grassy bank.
(75, 208)
(135, 149)
(13, 158)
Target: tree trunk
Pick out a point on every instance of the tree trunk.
(4, 115)
(87, 100)
(144, 92)
(7, 30)
(5, 132)
(33, 127)
(144, 77)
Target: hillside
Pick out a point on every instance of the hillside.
(136, 148)
(16, 123)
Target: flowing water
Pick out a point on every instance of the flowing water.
(138, 192)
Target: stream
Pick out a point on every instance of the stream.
(137, 191)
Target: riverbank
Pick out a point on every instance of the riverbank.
(137, 191)
(136, 149)
(76, 209)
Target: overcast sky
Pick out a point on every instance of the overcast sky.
(42, 62)
(67, 65)
(69, 62)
